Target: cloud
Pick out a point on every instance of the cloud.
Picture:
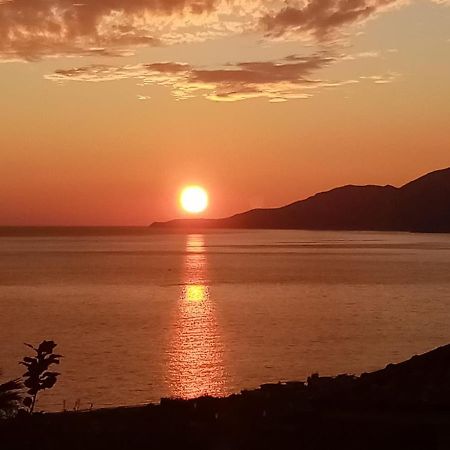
(292, 68)
(31, 29)
(386, 78)
(289, 78)
(322, 18)
(148, 73)
(34, 29)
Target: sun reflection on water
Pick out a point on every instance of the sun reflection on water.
(195, 351)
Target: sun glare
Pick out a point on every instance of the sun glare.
(194, 199)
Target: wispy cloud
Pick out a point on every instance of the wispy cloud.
(294, 77)
(323, 19)
(385, 78)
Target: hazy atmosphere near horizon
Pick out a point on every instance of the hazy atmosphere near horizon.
(110, 107)
(225, 224)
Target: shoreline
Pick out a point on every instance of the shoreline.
(403, 406)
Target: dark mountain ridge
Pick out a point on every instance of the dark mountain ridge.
(422, 205)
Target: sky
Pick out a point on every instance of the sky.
(110, 107)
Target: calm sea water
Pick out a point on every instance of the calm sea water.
(141, 317)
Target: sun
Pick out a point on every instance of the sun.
(194, 199)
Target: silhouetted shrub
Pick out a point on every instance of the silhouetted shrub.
(38, 377)
(10, 397)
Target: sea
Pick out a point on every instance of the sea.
(143, 315)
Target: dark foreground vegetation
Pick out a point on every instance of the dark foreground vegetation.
(404, 406)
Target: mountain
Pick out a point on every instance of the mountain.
(423, 205)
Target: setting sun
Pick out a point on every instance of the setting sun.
(194, 199)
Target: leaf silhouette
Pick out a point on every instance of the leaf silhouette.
(38, 377)
(46, 347)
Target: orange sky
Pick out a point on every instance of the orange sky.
(110, 107)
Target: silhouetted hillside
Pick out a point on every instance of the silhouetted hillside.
(421, 205)
(402, 407)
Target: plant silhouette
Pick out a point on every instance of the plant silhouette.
(38, 377)
(9, 397)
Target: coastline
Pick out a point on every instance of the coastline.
(403, 406)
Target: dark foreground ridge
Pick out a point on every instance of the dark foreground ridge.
(404, 406)
(422, 205)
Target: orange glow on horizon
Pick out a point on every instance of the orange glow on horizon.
(217, 109)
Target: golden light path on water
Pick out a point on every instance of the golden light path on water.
(195, 350)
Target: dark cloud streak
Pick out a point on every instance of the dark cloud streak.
(322, 18)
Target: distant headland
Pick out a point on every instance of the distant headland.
(422, 205)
